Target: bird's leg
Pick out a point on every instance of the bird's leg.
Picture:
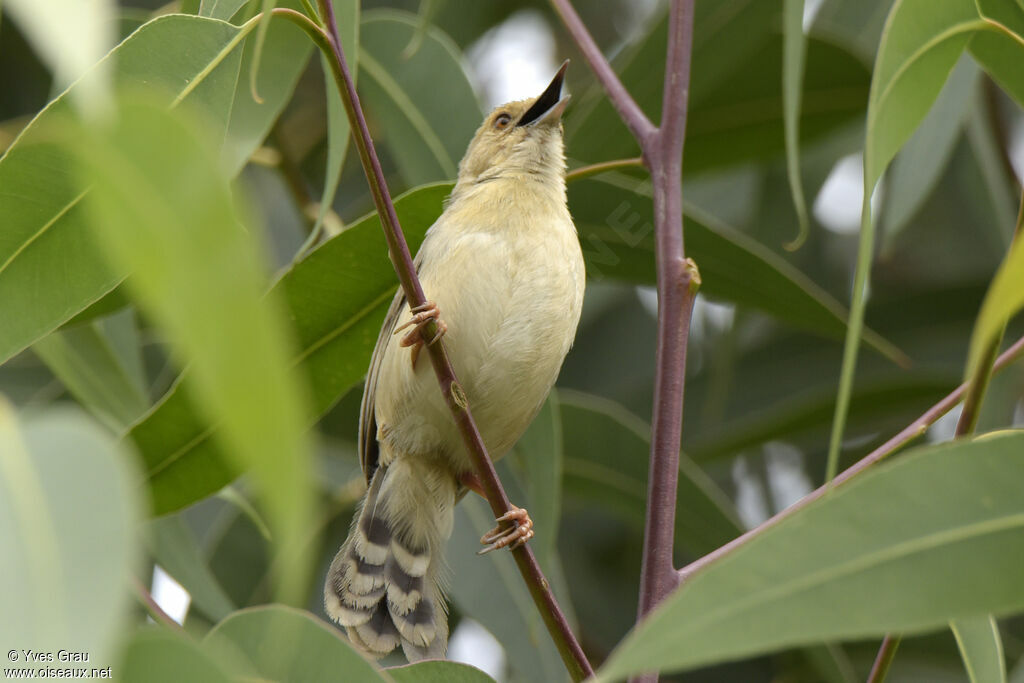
(421, 316)
(499, 537)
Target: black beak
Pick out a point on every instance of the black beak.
(548, 99)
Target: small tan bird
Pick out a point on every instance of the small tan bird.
(504, 265)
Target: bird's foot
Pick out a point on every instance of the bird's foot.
(508, 537)
(422, 315)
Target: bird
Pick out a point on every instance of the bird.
(505, 275)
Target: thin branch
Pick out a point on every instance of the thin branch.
(154, 608)
(601, 167)
(628, 109)
(572, 654)
(883, 659)
(909, 433)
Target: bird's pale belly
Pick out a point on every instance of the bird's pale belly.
(507, 337)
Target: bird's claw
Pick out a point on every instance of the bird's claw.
(422, 315)
(510, 537)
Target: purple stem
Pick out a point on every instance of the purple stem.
(628, 109)
(675, 305)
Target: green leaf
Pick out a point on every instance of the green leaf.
(921, 42)
(49, 265)
(920, 164)
(68, 511)
(849, 565)
(541, 454)
(284, 56)
(794, 52)
(1005, 297)
(336, 298)
(427, 134)
(284, 644)
(174, 548)
(220, 9)
(606, 459)
(803, 419)
(1001, 49)
(981, 648)
(614, 218)
(84, 360)
(159, 656)
(163, 210)
(438, 672)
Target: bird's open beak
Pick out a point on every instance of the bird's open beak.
(551, 103)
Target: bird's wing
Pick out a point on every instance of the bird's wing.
(368, 449)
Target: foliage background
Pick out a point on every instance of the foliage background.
(764, 356)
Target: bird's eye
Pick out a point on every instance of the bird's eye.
(502, 121)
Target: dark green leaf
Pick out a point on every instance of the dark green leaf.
(427, 134)
(606, 455)
(438, 672)
(283, 644)
(160, 656)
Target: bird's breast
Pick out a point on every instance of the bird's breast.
(510, 289)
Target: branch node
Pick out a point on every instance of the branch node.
(692, 274)
(459, 396)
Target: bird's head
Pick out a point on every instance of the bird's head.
(519, 138)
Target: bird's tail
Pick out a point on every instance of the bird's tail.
(385, 584)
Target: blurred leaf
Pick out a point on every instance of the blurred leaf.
(68, 511)
(284, 644)
(155, 655)
(803, 419)
(438, 672)
(83, 359)
(850, 564)
(508, 610)
(794, 53)
(220, 9)
(164, 211)
(921, 162)
(1004, 299)
(427, 133)
(1000, 50)
(606, 459)
(284, 57)
(736, 99)
(858, 24)
(174, 548)
(71, 36)
(614, 217)
(922, 41)
(982, 649)
(45, 240)
(541, 449)
(346, 13)
(336, 298)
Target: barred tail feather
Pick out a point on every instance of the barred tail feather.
(384, 585)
